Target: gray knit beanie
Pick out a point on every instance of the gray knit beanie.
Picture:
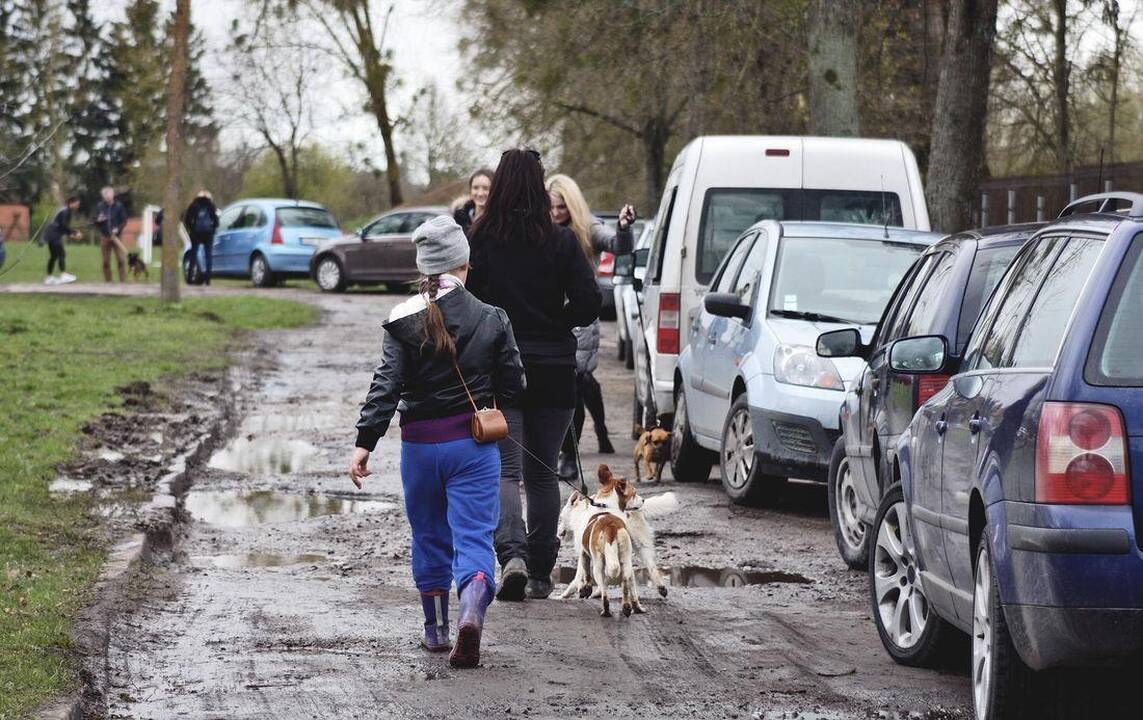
(441, 245)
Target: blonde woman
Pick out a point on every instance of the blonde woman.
(570, 209)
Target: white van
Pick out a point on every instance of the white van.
(721, 185)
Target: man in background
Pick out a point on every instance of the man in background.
(110, 219)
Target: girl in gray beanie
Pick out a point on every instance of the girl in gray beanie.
(436, 343)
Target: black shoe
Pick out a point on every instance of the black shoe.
(605, 446)
(566, 467)
(538, 588)
(513, 578)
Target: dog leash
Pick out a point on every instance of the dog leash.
(582, 489)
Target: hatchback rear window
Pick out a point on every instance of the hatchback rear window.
(305, 217)
(1116, 356)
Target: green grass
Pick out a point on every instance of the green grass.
(61, 360)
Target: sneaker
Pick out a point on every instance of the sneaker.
(538, 588)
(67, 278)
(512, 580)
(51, 280)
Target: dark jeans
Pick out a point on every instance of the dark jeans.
(207, 242)
(57, 255)
(541, 430)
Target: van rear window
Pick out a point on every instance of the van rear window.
(1116, 356)
(727, 212)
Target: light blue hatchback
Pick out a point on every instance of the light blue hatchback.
(268, 240)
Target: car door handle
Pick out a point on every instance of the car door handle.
(874, 383)
(975, 424)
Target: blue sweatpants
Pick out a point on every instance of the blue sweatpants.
(452, 499)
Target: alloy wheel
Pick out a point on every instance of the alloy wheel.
(679, 427)
(845, 499)
(738, 449)
(328, 274)
(982, 635)
(258, 271)
(901, 602)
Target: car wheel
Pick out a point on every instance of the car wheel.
(848, 529)
(260, 273)
(911, 631)
(689, 461)
(1000, 679)
(637, 412)
(629, 360)
(329, 275)
(742, 477)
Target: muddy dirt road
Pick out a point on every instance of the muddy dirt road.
(290, 595)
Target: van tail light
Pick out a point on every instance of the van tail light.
(606, 264)
(928, 386)
(276, 238)
(1081, 455)
(668, 330)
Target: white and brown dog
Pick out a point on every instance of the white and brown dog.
(619, 498)
(604, 544)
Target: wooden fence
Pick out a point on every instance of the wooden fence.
(1034, 198)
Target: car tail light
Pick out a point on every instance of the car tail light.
(668, 333)
(276, 237)
(606, 264)
(1081, 455)
(928, 386)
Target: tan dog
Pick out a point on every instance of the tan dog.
(652, 452)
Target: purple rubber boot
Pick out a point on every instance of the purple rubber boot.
(474, 600)
(435, 605)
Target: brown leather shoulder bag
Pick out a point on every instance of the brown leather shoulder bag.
(488, 424)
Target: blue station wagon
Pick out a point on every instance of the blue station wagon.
(1018, 514)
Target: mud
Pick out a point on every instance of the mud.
(704, 577)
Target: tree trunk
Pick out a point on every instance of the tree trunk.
(385, 125)
(1113, 104)
(654, 137)
(1061, 76)
(832, 61)
(958, 120)
(176, 102)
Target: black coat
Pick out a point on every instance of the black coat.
(192, 212)
(463, 216)
(423, 385)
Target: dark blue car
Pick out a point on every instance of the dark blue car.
(1019, 506)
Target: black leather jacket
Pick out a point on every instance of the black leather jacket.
(423, 385)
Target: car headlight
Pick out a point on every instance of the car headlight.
(800, 365)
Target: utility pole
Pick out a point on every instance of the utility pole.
(176, 102)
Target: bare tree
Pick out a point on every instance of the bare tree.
(176, 103)
(832, 33)
(961, 107)
(359, 44)
(442, 145)
(271, 91)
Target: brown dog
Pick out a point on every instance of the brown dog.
(652, 452)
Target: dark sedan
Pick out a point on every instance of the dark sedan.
(379, 252)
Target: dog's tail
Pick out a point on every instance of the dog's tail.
(660, 505)
(613, 553)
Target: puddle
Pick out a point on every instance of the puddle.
(231, 508)
(255, 560)
(263, 456)
(292, 422)
(692, 576)
(68, 486)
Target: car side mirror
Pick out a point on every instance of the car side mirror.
(726, 305)
(625, 266)
(921, 355)
(841, 343)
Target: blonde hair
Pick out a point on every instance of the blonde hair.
(578, 209)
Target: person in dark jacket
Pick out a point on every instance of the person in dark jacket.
(479, 184)
(534, 269)
(439, 346)
(55, 232)
(110, 219)
(201, 222)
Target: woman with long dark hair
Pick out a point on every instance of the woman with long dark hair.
(534, 270)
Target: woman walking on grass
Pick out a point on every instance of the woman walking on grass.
(444, 353)
(535, 270)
